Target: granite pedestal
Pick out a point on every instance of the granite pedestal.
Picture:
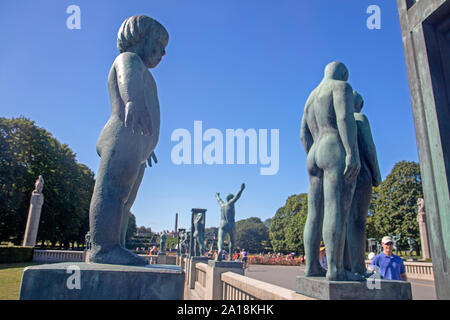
(374, 289)
(225, 264)
(215, 270)
(92, 281)
(193, 260)
(162, 258)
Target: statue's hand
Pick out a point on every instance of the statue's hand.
(138, 119)
(152, 156)
(243, 186)
(352, 166)
(217, 194)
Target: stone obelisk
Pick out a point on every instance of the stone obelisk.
(34, 214)
(421, 219)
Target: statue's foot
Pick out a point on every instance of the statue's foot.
(315, 271)
(116, 255)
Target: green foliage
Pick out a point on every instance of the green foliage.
(393, 208)
(296, 226)
(277, 228)
(251, 235)
(132, 228)
(286, 228)
(171, 242)
(16, 254)
(143, 237)
(27, 151)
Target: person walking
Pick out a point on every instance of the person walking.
(323, 258)
(244, 258)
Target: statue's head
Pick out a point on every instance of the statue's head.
(359, 101)
(336, 71)
(229, 197)
(144, 36)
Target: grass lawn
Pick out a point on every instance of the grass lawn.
(10, 279)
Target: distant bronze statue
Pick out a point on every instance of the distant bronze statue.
(369, 175)
(87, 241)
(162, 243)
(395, 240)
(128, 139)
(199, 233)
(412, 246)
(227, 223)
(329, 137)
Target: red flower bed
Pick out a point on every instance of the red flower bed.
(279, 261)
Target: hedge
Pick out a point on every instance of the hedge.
(16, 254)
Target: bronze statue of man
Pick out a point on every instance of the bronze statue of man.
(329, 136)
(199, 233)
(369, 175)
(128, 139)
(227, 223)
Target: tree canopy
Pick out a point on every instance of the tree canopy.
(251, 235)
(27, 151)
(286, 227)
(393, 208)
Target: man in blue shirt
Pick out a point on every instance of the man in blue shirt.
(390, 266)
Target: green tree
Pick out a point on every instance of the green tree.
(296, 226)
(393, 209)
(132, 227)
(251, 235)
(28, 151)
(286, 230)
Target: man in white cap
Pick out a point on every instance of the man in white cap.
(387, 264)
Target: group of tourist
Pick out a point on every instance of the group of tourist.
(239, 255)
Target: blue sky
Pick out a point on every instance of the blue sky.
(231, 64)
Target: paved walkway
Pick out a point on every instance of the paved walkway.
(284, 276)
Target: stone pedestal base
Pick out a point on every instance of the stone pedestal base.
(190, 270)
(162, 258)
(226, 264)
(92, 281)
(373, 289)
(87, 254)
(214, 286)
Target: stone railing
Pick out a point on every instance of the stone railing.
(58, 256)
(200, 280)
(79, 256)
(159, 259)
(151, 259)
(216, 281)
(239, 287)
(417, 270)
(200, 274)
